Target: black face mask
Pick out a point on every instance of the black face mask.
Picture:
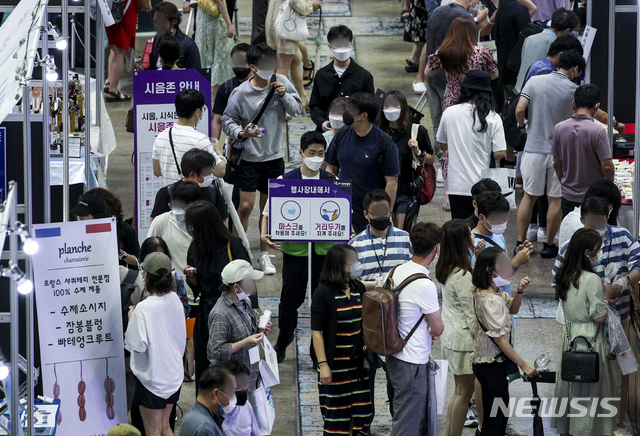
(380, 224)
(347, 118)
(241, 72)
(241, 396)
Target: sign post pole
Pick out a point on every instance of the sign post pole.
(309, 290)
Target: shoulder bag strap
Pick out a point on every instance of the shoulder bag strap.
(173, 150)
(414, 135)
(229, 251)
(486, 238)
(570, 342)
(484, 329)
(265, 103)
(339, 135)
(130, 278)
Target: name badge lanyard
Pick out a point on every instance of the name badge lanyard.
(384, 253)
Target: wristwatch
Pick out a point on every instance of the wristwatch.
(124, 256)
(521, 127)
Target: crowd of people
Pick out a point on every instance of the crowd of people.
(493, 78)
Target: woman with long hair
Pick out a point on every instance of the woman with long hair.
(412, 140)
(212, 248)
(473, 135)
(453, 270)
(493, 335)
(458, 54)
(156, 337)
(336, 325)
(169, 51)
(582, 297)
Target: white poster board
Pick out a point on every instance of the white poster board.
(77, 286)
(586, 40)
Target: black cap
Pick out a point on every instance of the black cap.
(90, 204)
(477, 79)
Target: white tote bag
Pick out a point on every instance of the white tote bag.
(263, 408)
(441, 384)
(290, 24)
(506, 178)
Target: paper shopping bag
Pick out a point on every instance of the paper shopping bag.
(441, 384)
(263, 408)
(269, 366)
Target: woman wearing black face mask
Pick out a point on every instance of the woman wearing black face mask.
(240, 421)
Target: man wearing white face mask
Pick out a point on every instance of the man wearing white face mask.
(263, 146)
(233, 325)
(216, 398)
(295, 254)
(172, 143)
(492, 213)
(342, 77)
(198, 167)
(171, 228)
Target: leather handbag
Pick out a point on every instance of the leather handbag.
(423, 186)
(209, 6)
(580, 366)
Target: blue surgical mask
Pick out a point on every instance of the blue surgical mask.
(598, 262)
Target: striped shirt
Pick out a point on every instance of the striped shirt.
(184, 139)
(379, 255)
(619, 248)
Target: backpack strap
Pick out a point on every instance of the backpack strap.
(400, 287)
(336, 140)
(488, 239)
(383, 146)
(130, 278)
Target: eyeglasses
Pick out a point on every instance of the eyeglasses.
(383, 215)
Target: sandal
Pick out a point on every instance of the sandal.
(446, 207)
(116, 96)
(404, 16)
(308, 80)
(411, 67)
(106, 87)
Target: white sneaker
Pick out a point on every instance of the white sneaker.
(471, 420)
(439, 178)
(621, 431)
(532, 232)
(265, 264)
(542, 234)
(419, 88)
(512, 431)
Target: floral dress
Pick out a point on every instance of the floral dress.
(415, 29)
(211, 38)
(480, 59)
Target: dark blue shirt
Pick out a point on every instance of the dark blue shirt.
(357, 158)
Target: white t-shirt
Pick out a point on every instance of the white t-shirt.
(156, 337)
(418, 298)
(175, 234)
(569, 225)
(469, 150)
(266, 206)
(184, 139)
(340, 70)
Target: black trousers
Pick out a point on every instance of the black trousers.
(258, 19)
(568, 206)
(493, 379)
(461, 206)
(295, 275)
(539, 214)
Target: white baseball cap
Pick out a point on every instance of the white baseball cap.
(238, 270)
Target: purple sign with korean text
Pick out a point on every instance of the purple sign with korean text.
(310, 210)
(154, 94)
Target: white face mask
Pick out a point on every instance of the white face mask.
(342, 54)
(208, 180)
(497, 229)
(179, 214)
(500, 282)
(314, 163)
(233, 402)
(336, 121)
(264, 74)
(392, 113)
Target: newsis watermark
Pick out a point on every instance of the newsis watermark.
(578, 407)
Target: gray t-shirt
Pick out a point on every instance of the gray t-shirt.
(245, 102)
(550, 97)
(199, 421)
(437, 27)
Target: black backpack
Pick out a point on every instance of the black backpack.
(515, 57)
(515, 138)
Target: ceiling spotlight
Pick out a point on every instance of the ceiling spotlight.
(23, 284)
(61, 42)
(29, 245)
(52, 74)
